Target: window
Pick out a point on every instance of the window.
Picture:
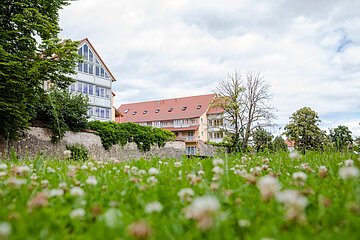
(91, 56)
(170, 109)
(126, 111)
(85, 88)
(97, 71)
(184, 108)
(85, 53)
(191, 150)
(107, 112)
(91, 68)
(97, 91)
(73, 87)
(85, 68)
(107, 93)
(91, 111)
(102, 72)
(80, 66)
(145, 112)
(79, 89)
(134, 113)
(91, 89)
(102, 113)
(97, 112)
(102, 92)
(157, 110)
(199, 106)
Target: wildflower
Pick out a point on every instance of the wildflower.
(299, 176)
(63, 185)
(16, 182)
(139, 230)
(177, 164)
(294, 155)
(323, 171)
(134, 170)
(56, 193)
(218, 170)
(295, 204)
(153, 207)
(22, 170)
(50, 170)
(3, 166)
(38, 201)
(141, 172)
(214, 186)
(153, 171)
(186, 194)
(244, 223)
(265, 160)
(264, 167)
(76, 191)
(126, 168)
(349, 163)
(242, 173)
(348, 172)
(203, 210)
(78, 213)
(44, 183)
(5, 230)
(91, 180)
(152, 180)
(255, 171)
(269, 186)
(84, 167)
(3, 174)
(67, 154)
(193, 179)
(200, 172)
(217, 162)
(160, 162)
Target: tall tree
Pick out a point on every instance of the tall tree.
(262, 139)
(245, 102)
(279, 144)
(30, 53)
(341, 137)
(304, 130)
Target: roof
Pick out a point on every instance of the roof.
(97, 54)
(167, 109)
(289, 143)
(215, 110)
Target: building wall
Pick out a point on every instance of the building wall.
(202, 131)
(215, 127)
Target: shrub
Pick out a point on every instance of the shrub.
(121, 133)
(78, 152)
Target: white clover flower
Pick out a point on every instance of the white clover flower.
(295, 204)
(269, 186)
(244, 223)
(78, 213)
(77, 191)
(141, 172)
(126, 168)
(3, 166)
(349, 163)
(3, 174)
(84, 167)
(323, 171)
(16, 182)
(67, 154)
(348, 172)
(218, 170)
(186, 194)
(50, 170)
(152, 180)
(134, 170)
(177, 164)
(217, 161)
(200, 172)
(294, 155)
(22, 170)
(44, 183)
(91, 180)
(153, 207)
(242, 172)
(56, 193)
(160, 162)
(5, 230)
(264, 167)
(62, 185)
(153, 171)
(299, 176)
(202, 205)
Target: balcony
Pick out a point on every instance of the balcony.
(186, 138)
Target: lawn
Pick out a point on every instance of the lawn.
(233, 197)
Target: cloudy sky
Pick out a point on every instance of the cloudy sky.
(309, 51)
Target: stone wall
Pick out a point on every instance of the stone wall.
(38, 140)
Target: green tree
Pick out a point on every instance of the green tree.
(262, 139)
(30, 53)
(304, 130)
(341, 137)
(279, 144)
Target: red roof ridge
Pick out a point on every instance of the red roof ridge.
(98, 55)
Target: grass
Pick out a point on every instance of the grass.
(120, 197)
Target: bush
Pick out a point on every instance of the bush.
(62, 111)
(121, 133)
(78, 152)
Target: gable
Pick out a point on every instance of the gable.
(92, 64)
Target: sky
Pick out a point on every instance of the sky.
(308, 51)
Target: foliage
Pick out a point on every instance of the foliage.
(115, 195)
(279, 145)
(245, 103)
(341, 137)
(78, 152)
(304, 130)
(115, 133)
(262, 139)
(30, 53)
(62, 111)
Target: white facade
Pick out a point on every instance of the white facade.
(215, 127)
(94, 79)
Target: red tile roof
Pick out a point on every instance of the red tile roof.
(92, 47)
(215, 110)
(168, 109)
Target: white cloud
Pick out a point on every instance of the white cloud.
(308, 50)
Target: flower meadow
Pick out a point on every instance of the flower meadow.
(277, 196)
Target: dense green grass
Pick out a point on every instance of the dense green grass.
(119, 199)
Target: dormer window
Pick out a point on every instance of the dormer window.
(199, 106)
(134, 113)
(184, 108)
(126, 111)
(170, 109)
(157, 110)
(145, 112)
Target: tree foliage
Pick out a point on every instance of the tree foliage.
(279, 144)
(341, 137)
(30, 53)
(262, 139)
(245, 102)
(304, 130)
(121, 133)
